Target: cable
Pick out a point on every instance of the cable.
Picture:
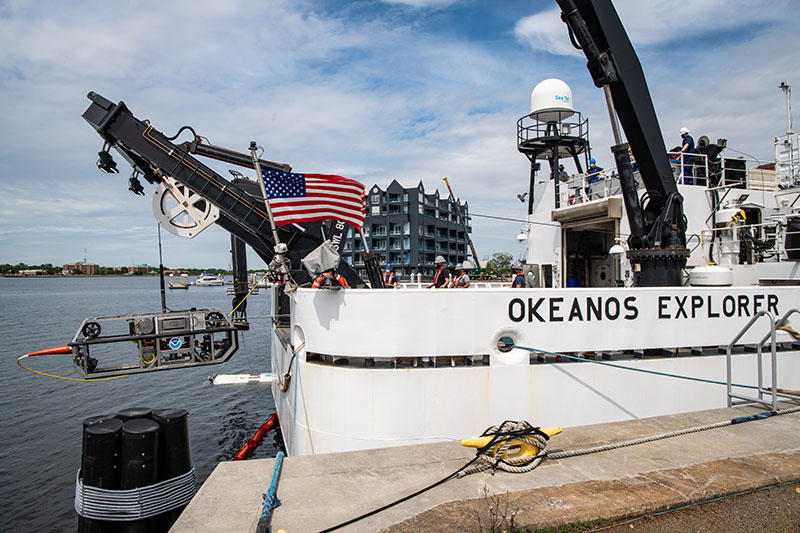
(401, 500)
(183, 128)
(248, 294)
(690, 378)
(63, 377)
(502, 438)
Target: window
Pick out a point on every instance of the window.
(376, 210)
(376, 198)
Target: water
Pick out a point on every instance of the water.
(40, 426)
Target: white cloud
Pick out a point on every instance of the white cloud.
(655, 22)
(546, 32)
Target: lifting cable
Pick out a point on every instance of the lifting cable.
(248, 294)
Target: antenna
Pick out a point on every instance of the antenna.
(786, 88)
(84, 256)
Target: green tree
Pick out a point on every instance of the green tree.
(499, 264)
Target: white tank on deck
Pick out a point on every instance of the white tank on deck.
(711, 276)
(551, 100)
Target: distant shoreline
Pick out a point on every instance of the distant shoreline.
(79, 276)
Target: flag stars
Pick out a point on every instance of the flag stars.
(284, 184)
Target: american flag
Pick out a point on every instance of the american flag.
(311, 197)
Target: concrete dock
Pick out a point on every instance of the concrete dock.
(319, 492)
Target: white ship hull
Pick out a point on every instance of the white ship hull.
(331, 408)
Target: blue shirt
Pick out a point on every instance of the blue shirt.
(519, 281)
(593, 173)
(689, 140)
(688, 159)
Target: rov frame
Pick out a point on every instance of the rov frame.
(164, 341)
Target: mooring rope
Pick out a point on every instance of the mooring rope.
(509, 430)
(505, 437)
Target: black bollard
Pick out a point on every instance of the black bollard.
(100, 463)
(133, 413)
(139, 464)
(174, 453)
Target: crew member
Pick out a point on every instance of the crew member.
(562, 174)
(594, 175)
(328, 279)
(441, 278)
(687, 161)
(461, 281)
(389, 277)
(517, 280)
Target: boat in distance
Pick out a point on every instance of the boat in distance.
(209, 280)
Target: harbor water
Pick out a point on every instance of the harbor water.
(41, 420)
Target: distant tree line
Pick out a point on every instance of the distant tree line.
(47, 268)
(50, 269)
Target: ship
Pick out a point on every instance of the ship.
(669, 285)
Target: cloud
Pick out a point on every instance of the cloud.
(656, 22)
(546, 32)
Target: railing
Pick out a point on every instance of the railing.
(687, 169)
(771, 236)
(772, 391)
(580, 188)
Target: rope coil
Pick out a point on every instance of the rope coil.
(502, 451)
(134, 504)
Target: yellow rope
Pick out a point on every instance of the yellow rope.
(62, 377)
(248, 294)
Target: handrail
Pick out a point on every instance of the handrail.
(774, 325)
(728, 361)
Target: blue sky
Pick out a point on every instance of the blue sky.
(408, 90)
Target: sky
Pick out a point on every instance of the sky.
(372, 90)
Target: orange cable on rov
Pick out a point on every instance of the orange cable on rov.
(59, 350)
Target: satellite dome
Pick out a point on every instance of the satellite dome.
(551, 100)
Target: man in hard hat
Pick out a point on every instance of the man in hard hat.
(687, 161)
(461, 281)
(442, 275)
(389, 277)
(517, 279)
(593, 174)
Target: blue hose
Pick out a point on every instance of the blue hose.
(271, 500)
